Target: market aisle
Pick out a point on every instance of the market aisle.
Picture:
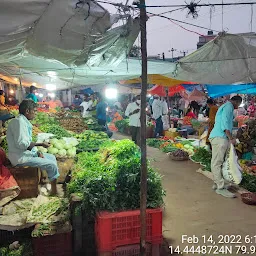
(192, 208)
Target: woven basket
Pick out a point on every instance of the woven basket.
(175, 158)
(249, 198)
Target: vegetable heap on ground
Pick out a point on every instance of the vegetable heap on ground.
(203, 157)
(55, 129)
(90, 140)
(168, 146)
(110, 179)
(122, 125)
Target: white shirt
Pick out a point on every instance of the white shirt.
(19, 137)
(165, 107)
(157, 108)
(86, 106)
(134, 120)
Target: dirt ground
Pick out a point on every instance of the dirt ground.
(192, 208)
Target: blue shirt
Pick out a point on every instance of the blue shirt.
(77, 101)
(223, 121)
(33, 97)
(101, 110)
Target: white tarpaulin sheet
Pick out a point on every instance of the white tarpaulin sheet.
(67, 43)
(225, 60)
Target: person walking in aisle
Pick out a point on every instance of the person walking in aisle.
(157, 108)
(133, 112)
(220, 139)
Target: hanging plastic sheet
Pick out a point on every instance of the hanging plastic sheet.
(215, 91)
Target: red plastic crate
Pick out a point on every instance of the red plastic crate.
(55, 245)
(123, 228)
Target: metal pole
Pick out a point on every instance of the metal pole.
(144, 86)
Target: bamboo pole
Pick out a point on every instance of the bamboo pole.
(144, 86)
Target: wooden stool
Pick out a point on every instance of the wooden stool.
(28, 179)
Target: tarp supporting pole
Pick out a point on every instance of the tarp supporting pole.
(144, 87)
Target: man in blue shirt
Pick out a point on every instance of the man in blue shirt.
(101, 111)
(32, 95)
(221, 138)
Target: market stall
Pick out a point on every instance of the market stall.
(97, 172)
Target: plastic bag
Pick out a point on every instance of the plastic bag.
(165, 120)
(231, 170)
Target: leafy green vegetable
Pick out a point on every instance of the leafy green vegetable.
(155, 143)
(169, 148)
(55, 129)
(121, 125)
(203, 157)
(110, 179)
(42, 118)
(249, 182)
(24, 250)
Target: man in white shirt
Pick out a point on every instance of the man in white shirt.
(133, 112)
(21, 149)
(86, 105)
(157, 108)
(165, 117)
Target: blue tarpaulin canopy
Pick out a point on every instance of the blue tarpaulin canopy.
(215, 91)
(87, 91)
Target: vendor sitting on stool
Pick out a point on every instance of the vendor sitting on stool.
(21, 149)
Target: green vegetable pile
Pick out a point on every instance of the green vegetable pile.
(169, 148)
(55, 129)
(110, 179)
(249, 182)
(203, 157)
(155, 143)
(42, 212)
(91, 140)
(92, 124)
(23, 250)
(43, 118)
(121, 125)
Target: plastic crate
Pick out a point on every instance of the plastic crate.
(123, 228)
(133, 250)
(8, 237)
(56, 245)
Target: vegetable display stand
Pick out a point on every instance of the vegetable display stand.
(123, 228)
(28, 179)
(55, 245)
(133, 250)
(83, 231)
